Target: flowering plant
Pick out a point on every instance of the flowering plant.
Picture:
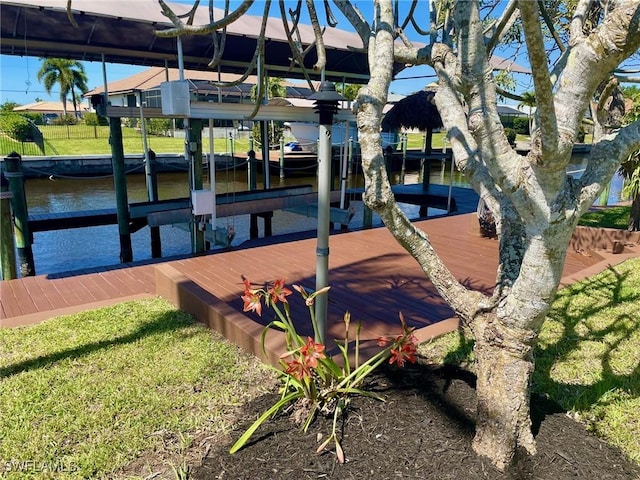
(313, 381)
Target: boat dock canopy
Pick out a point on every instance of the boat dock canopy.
(124, 31)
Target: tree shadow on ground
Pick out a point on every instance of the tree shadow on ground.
(599, 347)
(163, 323)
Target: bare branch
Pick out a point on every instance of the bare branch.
(378, 196)
(504, 23)
(356, 19)
(317, 31)
(298, 56)
(70, 15)
(550, 26)
(181, 28)
(331, 20)
(548, 140)
(218, 46)
(411, 18)
(576, 28)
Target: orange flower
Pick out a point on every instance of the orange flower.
(405, 353)
(279, 292)
(298, 370)
(252, 302)
(311, 352)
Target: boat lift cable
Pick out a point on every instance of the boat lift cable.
(72, 177)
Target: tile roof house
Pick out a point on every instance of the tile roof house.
(123, 93)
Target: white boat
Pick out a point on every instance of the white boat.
(306, 134)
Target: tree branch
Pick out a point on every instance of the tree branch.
(356, 19)
(182, 28)
(615, 39)
(499, 28)
(317, 31)
(550, 26)
(546, 143)
(576, 28)
(378, 196)
(604, 159)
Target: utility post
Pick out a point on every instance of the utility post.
(326, 104)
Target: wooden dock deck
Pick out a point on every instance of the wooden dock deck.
(370, 274)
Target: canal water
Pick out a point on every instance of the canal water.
(67, 250)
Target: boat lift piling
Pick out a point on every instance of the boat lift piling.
(23, 238)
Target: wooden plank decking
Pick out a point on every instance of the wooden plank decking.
(371, 276)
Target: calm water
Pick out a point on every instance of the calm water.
(65, 250)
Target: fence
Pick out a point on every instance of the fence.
(8, 145)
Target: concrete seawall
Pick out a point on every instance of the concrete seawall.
(95, 165)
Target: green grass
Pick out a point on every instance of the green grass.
(90, 392)
(415, 141)
(588, 355)
(133, 145)
(610, 217)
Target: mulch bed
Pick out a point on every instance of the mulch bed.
(423, 430)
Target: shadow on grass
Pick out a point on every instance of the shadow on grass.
(572, 309)
(166, 322)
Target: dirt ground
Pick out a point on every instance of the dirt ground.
(423, 430)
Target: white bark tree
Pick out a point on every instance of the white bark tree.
(535, 203)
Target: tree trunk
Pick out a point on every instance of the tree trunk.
(504, 363)
(634, 217)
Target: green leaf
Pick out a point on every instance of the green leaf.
(275, 408)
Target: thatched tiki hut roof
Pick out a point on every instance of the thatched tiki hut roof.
(414, 111)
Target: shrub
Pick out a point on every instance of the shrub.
(158, 126)
(94, 120)
(67, 119)
(16, 126)
(521, 125)
(511, 135)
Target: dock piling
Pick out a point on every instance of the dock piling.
(120, 185)
(13, 173)
(7, 242)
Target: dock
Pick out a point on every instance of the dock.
(370, 275)
(462, 200)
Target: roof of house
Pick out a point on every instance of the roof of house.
(508, 110)
(47, 107)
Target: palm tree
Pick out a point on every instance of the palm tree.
(528, 99)
(68, 74)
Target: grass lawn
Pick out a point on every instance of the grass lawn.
(133, 145)
(588, 355)
(610, 217)
(86, 394)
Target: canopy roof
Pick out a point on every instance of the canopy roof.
(415, 111)
(124, 32)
